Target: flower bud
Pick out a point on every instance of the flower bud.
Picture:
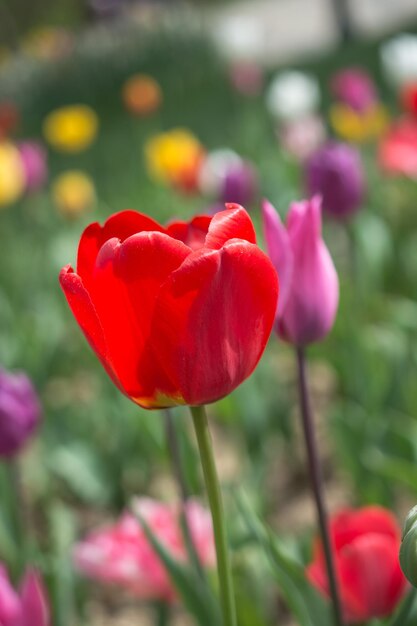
(309, 286)
(19, 411)
(408, 550)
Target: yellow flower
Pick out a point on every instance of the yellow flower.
(175, 157)
(71, 128)
(48, 42)
(12, 176)
(359, 126)
(141, 95)
(73, 193)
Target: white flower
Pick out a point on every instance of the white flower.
(214, 170)
(240, 38)
(399, 59)
(292, 95)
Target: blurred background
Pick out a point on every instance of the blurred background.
(173, 108)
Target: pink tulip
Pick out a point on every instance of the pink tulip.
(121, 554)
(28, 607)
(308, 279)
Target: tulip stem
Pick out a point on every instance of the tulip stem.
(317, 485)
(162, 614)
(219, 527)
(177, 466)
(21, 509)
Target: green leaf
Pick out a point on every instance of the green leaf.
(305, 603)
(406, 616)
(8, 547)
(62, 528)
(196, 595)
(80, 468)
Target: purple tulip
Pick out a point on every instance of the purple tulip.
(34, 161)
(28, 607)
(355, 88)
(240, 184)
(335, 172)
(308, 280)
(19, 411)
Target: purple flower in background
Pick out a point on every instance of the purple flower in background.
(240, 184)
(355, 88)
(19, 412)
(28, 607)
(34, 161)
(335, 172)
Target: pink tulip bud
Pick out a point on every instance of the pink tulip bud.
(308, 279)
(29, 606)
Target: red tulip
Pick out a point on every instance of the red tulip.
(408, 98)
(398, 149)
(366, 542)
(177, 315)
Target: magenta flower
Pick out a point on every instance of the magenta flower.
(335, 172)
(121, 554)
(308, 280)
(34, 161)
(20, 411)
(355, 88)
(29, 606)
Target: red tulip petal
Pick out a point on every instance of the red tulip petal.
(370, 571)
(350, 524)
(213, 319)
(233, 223)
(121, 225)
(126, 282)
(86, 316)
(193, 233)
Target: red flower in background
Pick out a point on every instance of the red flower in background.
(177, 315)
(398, 149)
(9, 118)
(408, 98)
(366, 543)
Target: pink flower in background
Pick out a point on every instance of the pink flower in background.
(355, 88)
(247, 77)
(308, 279)
(301, 137)
(34, 161)
(121, 554)
(28, 607)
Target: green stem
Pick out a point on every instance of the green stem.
(317, 486)
(21, 513)
(175, 454)
(162, 614)
(214, 496)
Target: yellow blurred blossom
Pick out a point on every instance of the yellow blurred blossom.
(175, 157)
(359, 126)
(73, 192)
(141, 95)
(12, 176)
(71, 128)
(48, 43)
